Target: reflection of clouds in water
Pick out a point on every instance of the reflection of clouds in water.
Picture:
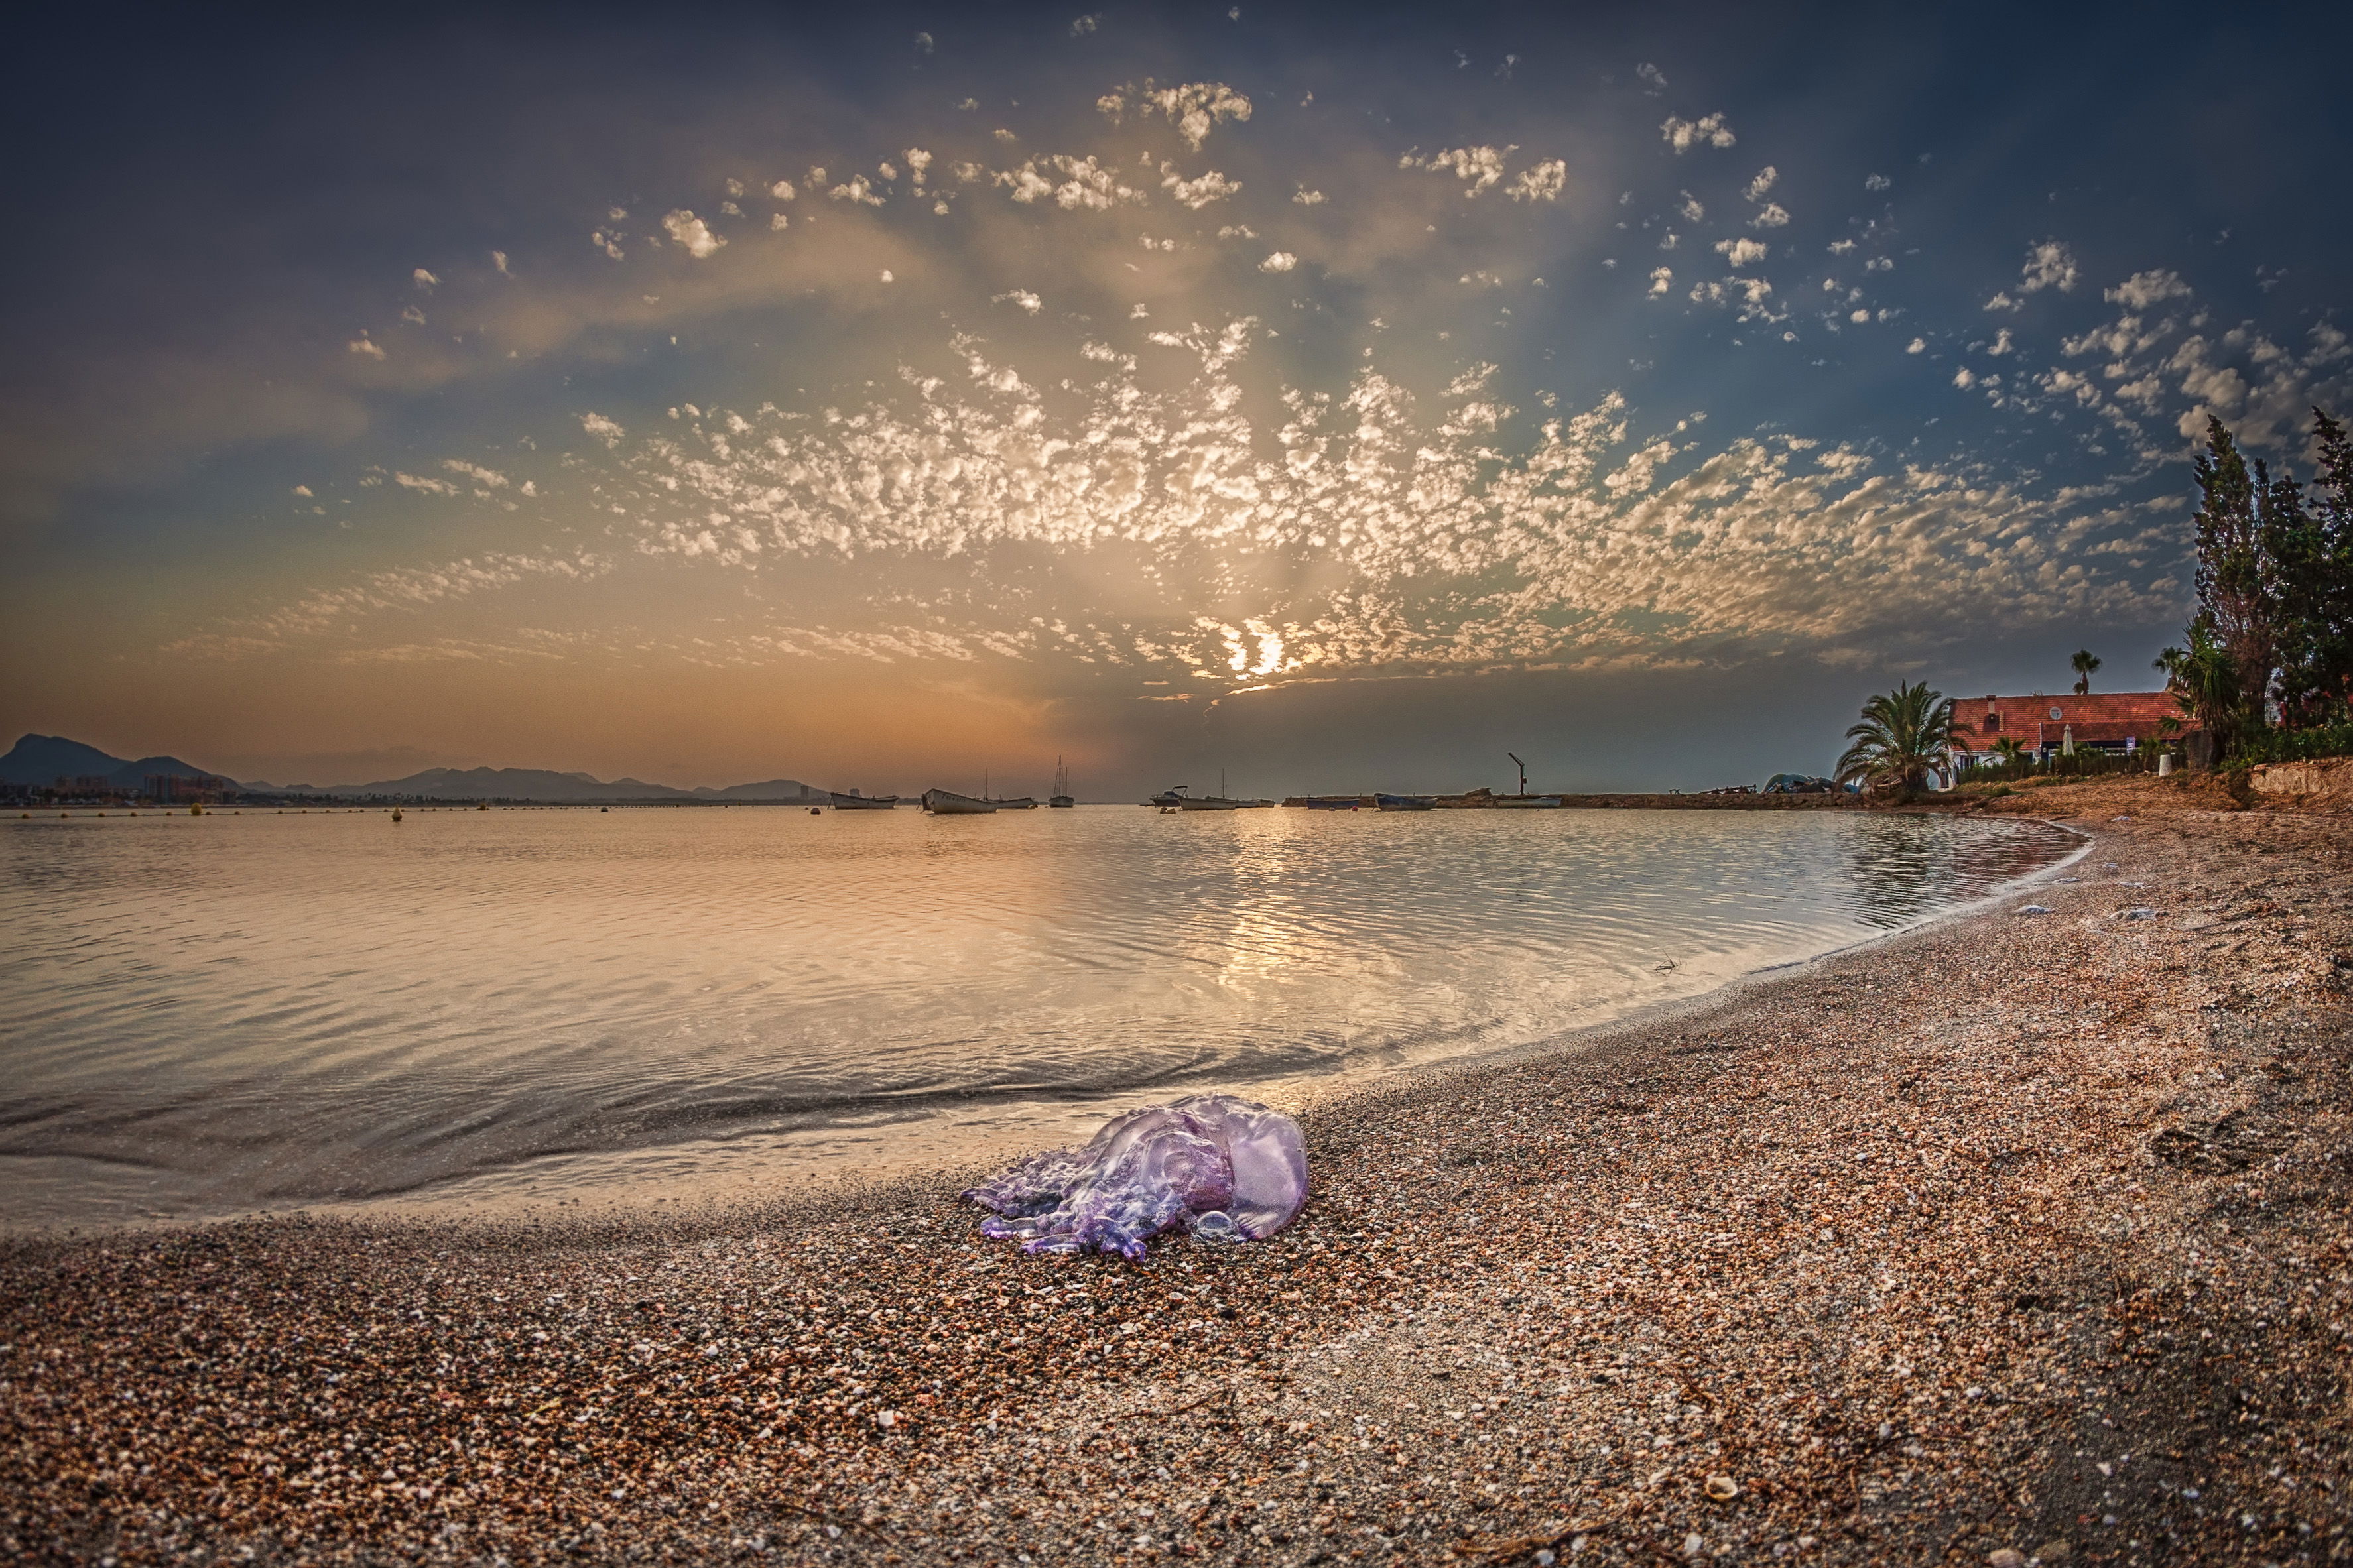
(1903, 867)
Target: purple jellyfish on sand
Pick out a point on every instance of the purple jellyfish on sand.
(1218, 1168)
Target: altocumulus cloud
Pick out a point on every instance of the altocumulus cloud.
(1266, 523)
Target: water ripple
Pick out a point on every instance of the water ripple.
(203, 1014)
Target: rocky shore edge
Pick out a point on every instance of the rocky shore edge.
(2022, 1237)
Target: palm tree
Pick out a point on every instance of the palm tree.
(2085, 663)
(2203, 680)
(2006, 748)
(1904, 736)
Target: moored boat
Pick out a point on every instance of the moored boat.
(1180, 797)
(1061, 796)
(1327, 802)
(947, 802)
(853, 801)
(1404, 802)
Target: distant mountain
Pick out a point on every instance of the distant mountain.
(38, 761)
(540, 784)
(772, 789)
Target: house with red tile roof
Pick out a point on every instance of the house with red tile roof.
(2117, 721)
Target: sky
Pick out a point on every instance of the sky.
(1333, 397)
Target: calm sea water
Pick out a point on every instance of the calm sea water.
(213, 1014)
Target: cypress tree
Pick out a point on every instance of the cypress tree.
(2233, 603)
(2327, 591)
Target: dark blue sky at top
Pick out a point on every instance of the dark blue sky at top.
(211, 206)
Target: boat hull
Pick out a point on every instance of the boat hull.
(864, 801)
(1405, 802)
(947, 802)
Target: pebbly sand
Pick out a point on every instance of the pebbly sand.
(2022, 1236)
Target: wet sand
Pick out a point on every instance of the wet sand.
(2021, 1234)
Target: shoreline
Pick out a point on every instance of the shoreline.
(1884, 1238)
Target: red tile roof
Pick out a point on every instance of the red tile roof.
(2108, 717)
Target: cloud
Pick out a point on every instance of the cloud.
(1690, 208)
(366, 347)
(2142, 290)
(1653, 79)
(2050, 265)
(1084, 183)
(1917, 346)
(332, 611)
(499, 260)
(431, 486)
(1752, 296)
(1964, 378)
(1541, 181)
(1080, 27)
(1741, 252)
(2002, 343)
(1305, 197)
(301, 490)
(488, 478)
(1683, 135)
(1477, 167)
(1021, 297)
(686, 229)
(1280, 261)
(1194, 108)
(423, 279)
(1755, 190)
(1661, 279)
(923, 43)
(1774, 215)
(1200, 191)
(606, 430)
(1450, 531)
(1876, 183)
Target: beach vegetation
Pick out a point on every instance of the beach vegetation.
(1901, 741)
(2269, 646)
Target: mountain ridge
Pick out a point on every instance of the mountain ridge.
(36, 761)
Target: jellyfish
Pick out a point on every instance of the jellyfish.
(1220, 1169)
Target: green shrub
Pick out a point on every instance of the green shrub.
(2294, 745)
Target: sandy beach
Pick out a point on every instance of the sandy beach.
(2021, 1236)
